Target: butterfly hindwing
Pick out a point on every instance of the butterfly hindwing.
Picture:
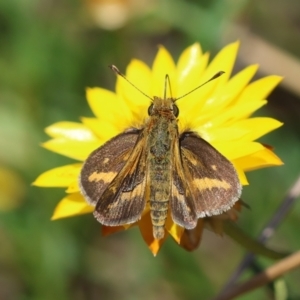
(123, 200)
(104, 163)
(211, 178)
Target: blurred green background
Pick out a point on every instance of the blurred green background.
(50, 50)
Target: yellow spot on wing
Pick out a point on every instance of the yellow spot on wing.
(209, 183)
(104, 176)
(106, 160)
(214, 167)
(194, 161)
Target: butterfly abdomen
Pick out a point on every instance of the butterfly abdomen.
(159, 200)
(160, 168)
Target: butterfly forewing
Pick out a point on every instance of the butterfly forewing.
(211, 178)
(123, 201)
(103, 165)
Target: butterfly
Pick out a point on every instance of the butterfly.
(172, 173)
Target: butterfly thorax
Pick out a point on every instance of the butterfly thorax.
(162, 133)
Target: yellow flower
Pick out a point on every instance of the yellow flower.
(219, 112)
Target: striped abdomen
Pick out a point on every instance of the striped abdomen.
(159, 163)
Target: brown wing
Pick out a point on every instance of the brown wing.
(182, 206)
(211, 178)
(103, 165)
(123, 200)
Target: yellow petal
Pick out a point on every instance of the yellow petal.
(241, 173)
(238, 82)
(174, 230)
(73, 187)
(231, 115)
(190, 67)
(139, 74)
(245, 130)
(70, 130)
(73, 149)
(259, 89)
(70, 206)
(226, 94)
(257, 160)
(221, 134)
(108, 107)
(223, 61)
(163, 65)
(155, 245)
(257, 127)
(189, 81)
(237, 149)
(59, 177)
(104, 130)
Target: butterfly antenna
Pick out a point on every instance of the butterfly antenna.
(213, 78)
(116, 70)
(167, 83)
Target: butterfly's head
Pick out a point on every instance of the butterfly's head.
(163, 106)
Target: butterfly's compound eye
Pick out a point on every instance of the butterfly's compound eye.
(150, 108)
(175, 110)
